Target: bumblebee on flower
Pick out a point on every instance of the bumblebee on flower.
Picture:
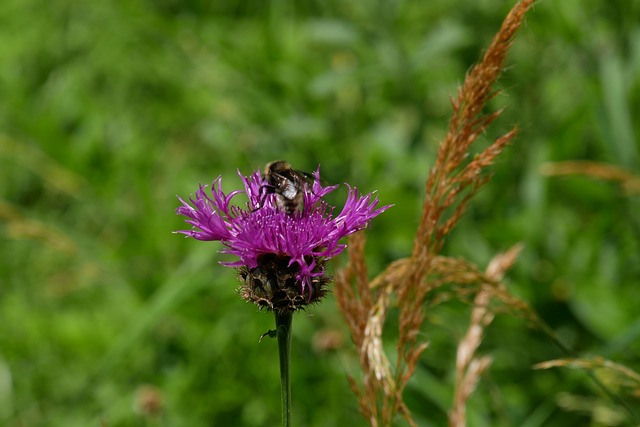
(282, 246)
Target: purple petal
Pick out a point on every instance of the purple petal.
(259, 227)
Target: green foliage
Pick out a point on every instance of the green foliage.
(110, 109)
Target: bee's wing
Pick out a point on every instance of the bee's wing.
(307, 179)
(310, 178)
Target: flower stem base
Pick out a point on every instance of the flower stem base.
(283, 330)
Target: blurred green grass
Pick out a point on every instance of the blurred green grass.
(110, 109)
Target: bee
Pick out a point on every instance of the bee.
(287, 184)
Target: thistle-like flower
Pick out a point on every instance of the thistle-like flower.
(282, 255)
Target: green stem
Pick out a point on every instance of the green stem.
(283, 330)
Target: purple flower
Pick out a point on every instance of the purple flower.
(281, 256)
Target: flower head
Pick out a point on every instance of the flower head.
(281, 255)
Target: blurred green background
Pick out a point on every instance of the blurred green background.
(109, 109)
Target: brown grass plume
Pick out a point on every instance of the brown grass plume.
(452, 181)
